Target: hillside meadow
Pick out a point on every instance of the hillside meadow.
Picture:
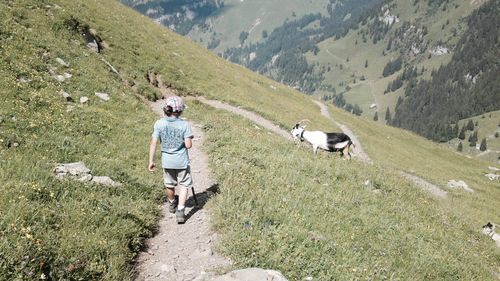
(279, 206)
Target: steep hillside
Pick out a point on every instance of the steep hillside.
(279, 206)
(270, 37)
(396, 46)
(219, 25)
(465, 87)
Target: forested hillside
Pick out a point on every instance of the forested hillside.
(179, 16)
(465, 87)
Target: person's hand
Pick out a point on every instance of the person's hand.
(152, 166)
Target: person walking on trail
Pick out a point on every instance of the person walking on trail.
(176, 137)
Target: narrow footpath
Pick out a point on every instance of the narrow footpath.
(184, 252)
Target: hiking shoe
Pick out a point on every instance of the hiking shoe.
(172, 206)
(179, 215)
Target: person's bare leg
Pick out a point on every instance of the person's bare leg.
(183, 193)
(170, 193)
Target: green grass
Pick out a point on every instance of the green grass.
(65, 229)
(402, 150)
(487, 126)
(271, 215)
(273, 194)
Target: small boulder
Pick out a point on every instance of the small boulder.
(76, 169)
(103, 96)
(85, 178)
(460, 184)
(252, 274)
(106, 181)
(62, 62)
(23, 79)
(66, 96)
(84, 100)
(493, 177)
(59, 78)
(67, 75)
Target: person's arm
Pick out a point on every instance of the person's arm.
(152, 150)
(188, 137)
(188, 142)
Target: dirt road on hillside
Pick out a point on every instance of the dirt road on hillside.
(184, 252)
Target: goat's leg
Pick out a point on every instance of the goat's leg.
(315, 149)
(345, 153)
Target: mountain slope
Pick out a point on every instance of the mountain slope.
(266, 211)
(465, 87)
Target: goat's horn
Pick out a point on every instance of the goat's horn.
(303, 120)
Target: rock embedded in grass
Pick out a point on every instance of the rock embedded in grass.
(459, 184)
(84, 100)
(66, 96)
(254, 274)
(103, 96)
(62, 62)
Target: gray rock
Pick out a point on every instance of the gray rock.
(493, 168)
(86, 178)
(62, 62)
(493, 177)
(23, 79)
(102, 96)
(105, 180)
(59, 78)
(252, 274)
(84, 100)
(66, 96)
(67, 75)
(460, 184)
(77, 169)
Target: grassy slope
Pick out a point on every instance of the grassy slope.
(488, 125)
(69, 230)
(239, 16)
(402, 150)
(364, 93)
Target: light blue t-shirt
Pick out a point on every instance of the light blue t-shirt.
(171, 132)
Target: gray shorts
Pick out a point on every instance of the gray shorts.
(172, 177)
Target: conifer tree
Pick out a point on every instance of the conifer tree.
(483, 146)
(460, 147)
(388, 117)
(470, 125)
(461, 135)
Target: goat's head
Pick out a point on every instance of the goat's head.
(298, 130)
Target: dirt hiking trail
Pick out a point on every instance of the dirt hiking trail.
(184, 252)
(249, 115)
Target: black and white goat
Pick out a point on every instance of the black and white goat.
(327, 141)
